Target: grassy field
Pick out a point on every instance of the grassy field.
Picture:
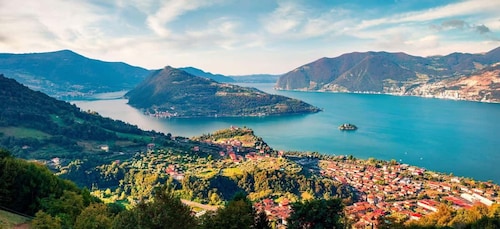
(232, 172)
(9, 220)
(21, 132)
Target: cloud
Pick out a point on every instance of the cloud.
(482, 29)
(461, 25)
(455, 23)
(217, 32)
(169, 12)
(285, 18)
(37, 25)
(465, 8)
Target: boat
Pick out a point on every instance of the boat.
(348, 126)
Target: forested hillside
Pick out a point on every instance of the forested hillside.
(172, 92)
(34, 125)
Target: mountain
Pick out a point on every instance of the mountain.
(172, 92)
(198, 72)
(65, 73)
(34, 125)
(483, 86)
(254, 78)
(383, 72)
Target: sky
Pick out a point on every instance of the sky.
(236, 37)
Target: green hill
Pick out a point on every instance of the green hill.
(34, 125)
(174, 93)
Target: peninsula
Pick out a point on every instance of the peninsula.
(171, 92)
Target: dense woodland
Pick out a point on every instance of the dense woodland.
(35, 125)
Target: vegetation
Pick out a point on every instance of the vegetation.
(66, 74)
(145, 188)
(34, 125)
(174, 93)
(318, 213)
(9, 219)
(479, 216)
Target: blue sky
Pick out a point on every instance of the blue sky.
(245, 37)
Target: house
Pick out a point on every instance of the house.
(455, 179)
(105, 148)
(428, 204)
(415, 216)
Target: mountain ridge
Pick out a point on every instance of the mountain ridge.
(66, 73)
(385, 72)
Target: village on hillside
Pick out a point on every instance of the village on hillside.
(379, 188)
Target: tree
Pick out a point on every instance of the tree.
(94, 216)
(317, 213)
(237, 214)
(261, 222)
(43, 220)
(67, 207)
(165, 211)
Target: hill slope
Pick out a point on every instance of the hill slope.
(482, 86)
(383, 72)
(34, 125)
(175, 93)
(65, 73)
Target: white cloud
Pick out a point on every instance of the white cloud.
(283, 19)
(464, 8)
(152, 33)
(169, 11)
(49, 23)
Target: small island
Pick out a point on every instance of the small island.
(348, 126)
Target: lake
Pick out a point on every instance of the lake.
(447, 136)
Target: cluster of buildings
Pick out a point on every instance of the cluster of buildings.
(276, 212)
(399, 188)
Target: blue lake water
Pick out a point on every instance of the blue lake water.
(447, 136)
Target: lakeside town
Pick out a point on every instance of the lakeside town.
(407, 191)
(378, 189)
(381, 188)
(398, 190)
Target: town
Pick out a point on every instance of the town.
(379, 188)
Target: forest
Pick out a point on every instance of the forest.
(34, 125)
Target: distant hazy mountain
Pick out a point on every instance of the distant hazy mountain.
(35, 125)
(198, 72)
(383, 72)
(171, 92)
(65, 73)
(255, 78)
